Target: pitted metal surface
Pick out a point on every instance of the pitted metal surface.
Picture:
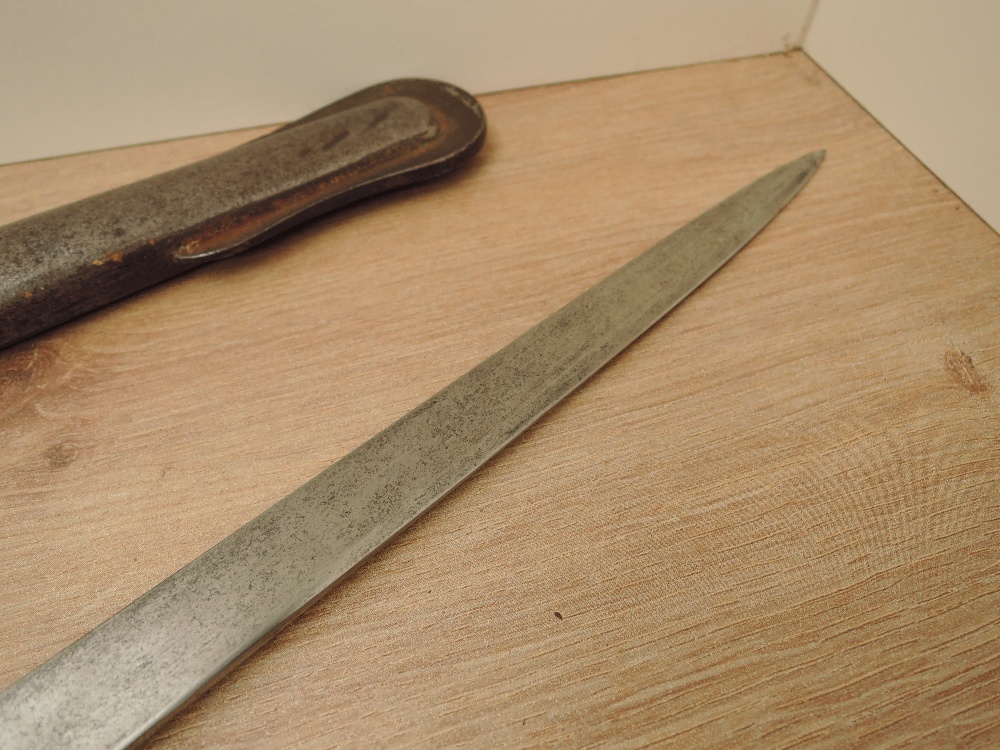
(65, 262)
(116, 684)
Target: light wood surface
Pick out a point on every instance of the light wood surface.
(773, 521)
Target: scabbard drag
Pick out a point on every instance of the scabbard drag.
(63, 263)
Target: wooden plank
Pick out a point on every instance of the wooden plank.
(773, 520)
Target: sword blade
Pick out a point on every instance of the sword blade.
(116, 684)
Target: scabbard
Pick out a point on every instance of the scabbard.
(68, 261)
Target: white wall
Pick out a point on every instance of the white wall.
(78, 76)
(82, 76)
(929, 71)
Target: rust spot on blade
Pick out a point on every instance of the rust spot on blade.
(109, 257)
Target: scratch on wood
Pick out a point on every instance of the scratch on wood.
(964, 372)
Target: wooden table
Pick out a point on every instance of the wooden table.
(773, 521)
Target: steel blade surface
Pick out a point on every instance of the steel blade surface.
(116, 684)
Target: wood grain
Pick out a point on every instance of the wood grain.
(772, 521)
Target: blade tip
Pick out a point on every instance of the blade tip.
(817, 157)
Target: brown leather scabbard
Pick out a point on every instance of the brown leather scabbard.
(63, 263)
